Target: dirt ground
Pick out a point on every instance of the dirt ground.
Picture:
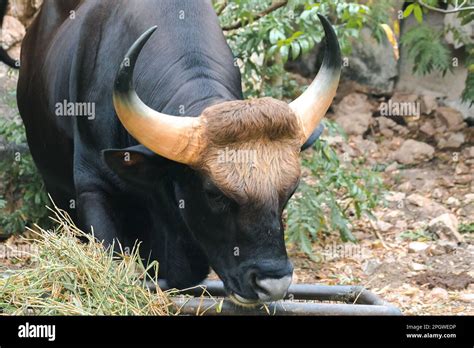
(398, 256)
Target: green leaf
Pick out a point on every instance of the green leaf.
(275, 36)
(305, 46)
(295, 50)
(418, 13)
(284, 51)
(408, 10)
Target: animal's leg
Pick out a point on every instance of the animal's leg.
(96, 214)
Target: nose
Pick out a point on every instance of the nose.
(270, 281)
(269, 289)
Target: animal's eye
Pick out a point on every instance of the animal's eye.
(216, 198)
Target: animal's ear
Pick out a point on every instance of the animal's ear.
(312, 139)
(137, 164)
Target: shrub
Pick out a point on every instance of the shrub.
(334, 193)
(23, 198)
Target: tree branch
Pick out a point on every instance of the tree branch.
(275, 6)
(453, 10)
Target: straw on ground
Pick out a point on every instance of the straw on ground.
(69, 277)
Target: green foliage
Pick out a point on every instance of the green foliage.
(417, 11)
(426, 47)
(466, 228)
(379, 14)
(263, 46)
(426, 50)
(22, 197)
(468, 93)
(335, 190)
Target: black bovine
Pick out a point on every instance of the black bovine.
(132, 173)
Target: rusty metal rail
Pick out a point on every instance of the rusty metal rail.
(356, 301)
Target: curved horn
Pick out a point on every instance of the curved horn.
(173, 137)
(313, 104)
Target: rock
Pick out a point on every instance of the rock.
(386, 123)
(428, 185)
(372, 63)
(401, 97)
(391, 167)
(383, 226)
(416, 247)
(388, 133)
(467, 211)
(468, 152)
(427, 208)
(461, 168)
(469, 198)
(395, 143)
(354, 124)
(437, 249)
(453, 141)
(417, 266)
(428, 104)
(463, 179)
(405, 187)
(394, 196)
(354, 113)
(401, 225)
(25, 10)
(448, 245)
(439, 293)
(447, 181)
(364, 146)
(453, 201)
(450, 118)
(371, 266)
(467, 297)
(12, 32)
(388, 126)
(354, 103)
(428, 128)
(446, 226)
(438, 193)
(413, 151)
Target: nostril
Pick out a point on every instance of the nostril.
(253, 281)
(270, 289)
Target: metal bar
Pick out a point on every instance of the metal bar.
(211, 307)
(341, 293)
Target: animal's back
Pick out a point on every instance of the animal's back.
(72, 52)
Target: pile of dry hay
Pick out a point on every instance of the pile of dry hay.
(73, 278)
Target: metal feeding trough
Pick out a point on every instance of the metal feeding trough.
(301, 300)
